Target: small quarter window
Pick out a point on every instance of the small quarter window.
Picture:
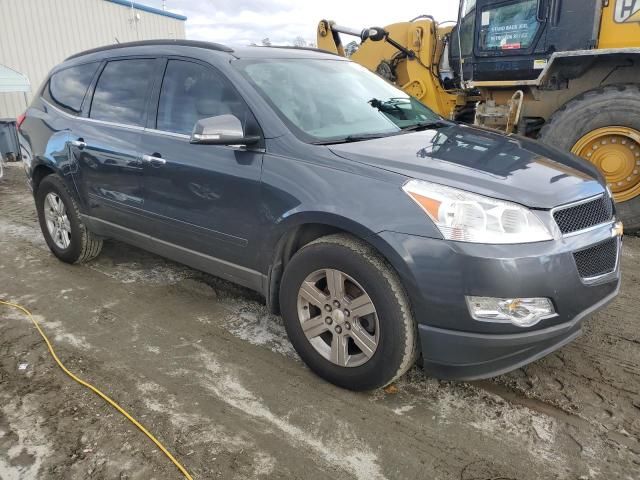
(67, 88)
(122, 91)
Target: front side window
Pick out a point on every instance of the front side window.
(122, 90)
(331, 99)
(67, 88)
(512, 26)
(191, 92)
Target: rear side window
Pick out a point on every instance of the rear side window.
(67, 88)
(122, 90)
(191, 92)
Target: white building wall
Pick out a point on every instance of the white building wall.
(36, 35)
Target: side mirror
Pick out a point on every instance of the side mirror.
(221, 130)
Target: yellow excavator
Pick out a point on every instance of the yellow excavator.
(566, 72)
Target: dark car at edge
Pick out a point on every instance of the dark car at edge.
(382, 233)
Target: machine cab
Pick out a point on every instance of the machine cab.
(498, 40)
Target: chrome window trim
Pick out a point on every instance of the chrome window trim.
(574, 204)
(114, 124)
(92, 120)
(167, 133)
(137, 128)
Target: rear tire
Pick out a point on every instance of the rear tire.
(611, 106)
(391, 327)
(69, 240)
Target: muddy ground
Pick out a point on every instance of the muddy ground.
(202, 365)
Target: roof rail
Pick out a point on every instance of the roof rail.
(166, 42)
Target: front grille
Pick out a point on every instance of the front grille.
(584, 215)
(597, 260)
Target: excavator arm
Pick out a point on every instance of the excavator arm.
(407, 54)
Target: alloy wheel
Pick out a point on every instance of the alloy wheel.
(58, 225)
(338, 318)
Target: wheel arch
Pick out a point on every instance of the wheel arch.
(43, 166)
(298, 232)
(39, 173)
(600, 64)
(571, 75)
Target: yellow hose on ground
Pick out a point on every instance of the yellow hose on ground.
(98, 392)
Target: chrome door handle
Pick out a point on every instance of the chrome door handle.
(79, 143)
(155, 161)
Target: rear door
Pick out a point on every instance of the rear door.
(65, 90)
(106, 142)
(203, 197)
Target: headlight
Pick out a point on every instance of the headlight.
(467, 217)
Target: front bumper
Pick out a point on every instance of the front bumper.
(473, 356)
(439, 274)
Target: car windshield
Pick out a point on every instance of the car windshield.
(328, 100)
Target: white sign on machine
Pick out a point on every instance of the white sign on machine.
(627, 11)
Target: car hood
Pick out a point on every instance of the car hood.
(507, 167)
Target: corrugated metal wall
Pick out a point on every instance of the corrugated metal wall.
(36, 35)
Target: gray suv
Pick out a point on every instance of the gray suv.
(381, 232)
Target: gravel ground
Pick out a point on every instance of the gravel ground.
(204, 366)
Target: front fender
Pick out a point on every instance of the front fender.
(333, 192)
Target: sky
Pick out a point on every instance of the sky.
(241, 22)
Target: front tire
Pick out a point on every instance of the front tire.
(347, 314)
(603, 127)
(63, 230)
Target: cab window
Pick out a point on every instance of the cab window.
(511, 26)
(467, 27)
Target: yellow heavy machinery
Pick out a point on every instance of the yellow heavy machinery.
(564, 71)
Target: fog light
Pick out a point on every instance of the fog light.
(522, 312)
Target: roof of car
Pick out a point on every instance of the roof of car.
(242, 52)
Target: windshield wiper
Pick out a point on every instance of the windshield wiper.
(390, 105)
(418, 127)
(372, 136)
(356, 138)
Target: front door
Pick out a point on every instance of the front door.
(107, 143)
(204, 197)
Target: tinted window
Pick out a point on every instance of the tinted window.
(190, 92)
(68, 87)
(509, 27)
(121, 92)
